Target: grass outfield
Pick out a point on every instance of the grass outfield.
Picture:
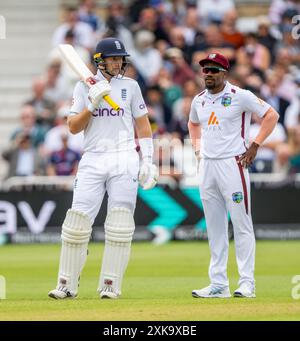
(157, 286)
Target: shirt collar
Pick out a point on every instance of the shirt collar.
(99, 76)
(219, 94)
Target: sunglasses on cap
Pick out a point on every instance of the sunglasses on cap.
(212, 69)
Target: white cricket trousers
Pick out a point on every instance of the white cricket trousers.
(116, 173)
(225, 187)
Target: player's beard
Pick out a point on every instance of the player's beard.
(210, 83)
(116, 71)
(112, 72)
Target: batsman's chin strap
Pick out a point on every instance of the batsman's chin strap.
(104, 70)
(102, 67)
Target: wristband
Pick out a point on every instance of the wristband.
(146, 145)
(91, 108)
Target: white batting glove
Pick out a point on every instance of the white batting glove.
(148, 175)
(97, 91)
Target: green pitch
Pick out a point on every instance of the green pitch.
(158, 285)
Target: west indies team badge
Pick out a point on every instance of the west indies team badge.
(237, 197)
(226, 100)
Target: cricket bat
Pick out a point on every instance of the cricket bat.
(82, 71)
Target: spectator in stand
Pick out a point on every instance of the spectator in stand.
(181, 71)
(55, 89)
(181, 109)
(178, 9)
(117, 24)
(83, 32)
(287, 87)
(162, 46)
(135, 8)
(157, 131)
(192, 28)
(290, 44)
(278, 7)
(247, 77)
(254, 53)
(213, 11)
(294, 159)
(23, 158)
(145, 58)
(289, 154)
(68, 76)
(292, 116)
(118, 11)
(180, 114)
(149, 21)
(44, 108)
(178, 40)
(64, 161)
(160, 112)
(28, 126)
(264, 35)
(289, 13)
(271, 96)
(282, 59)
(167, 24)
(181, 117)
(53, 141)
(171, 91)
(87, 14)
(213, 41)
(229, 31)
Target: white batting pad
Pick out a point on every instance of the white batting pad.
(119, 228)
(76, 232)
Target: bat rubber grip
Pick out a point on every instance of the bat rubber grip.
(114, 105)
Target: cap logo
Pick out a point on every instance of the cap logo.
(212, 56)
(118, 45)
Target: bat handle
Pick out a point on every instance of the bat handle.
(114, 105)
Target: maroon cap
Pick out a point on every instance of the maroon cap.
(216, 58)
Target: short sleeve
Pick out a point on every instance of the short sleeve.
(78, 102)
(252, 103)
(138, 106)
(193, 112)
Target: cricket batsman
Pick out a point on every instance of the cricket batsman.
(219, 127)
(110, 163)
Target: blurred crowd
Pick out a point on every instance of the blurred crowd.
(166, 40)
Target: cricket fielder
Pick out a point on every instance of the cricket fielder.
(219, 126)
(110, 163)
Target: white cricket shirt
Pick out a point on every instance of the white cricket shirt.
(225, 120)
(109, 130)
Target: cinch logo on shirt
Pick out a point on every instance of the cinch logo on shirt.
(212, 120)
(108, 112)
